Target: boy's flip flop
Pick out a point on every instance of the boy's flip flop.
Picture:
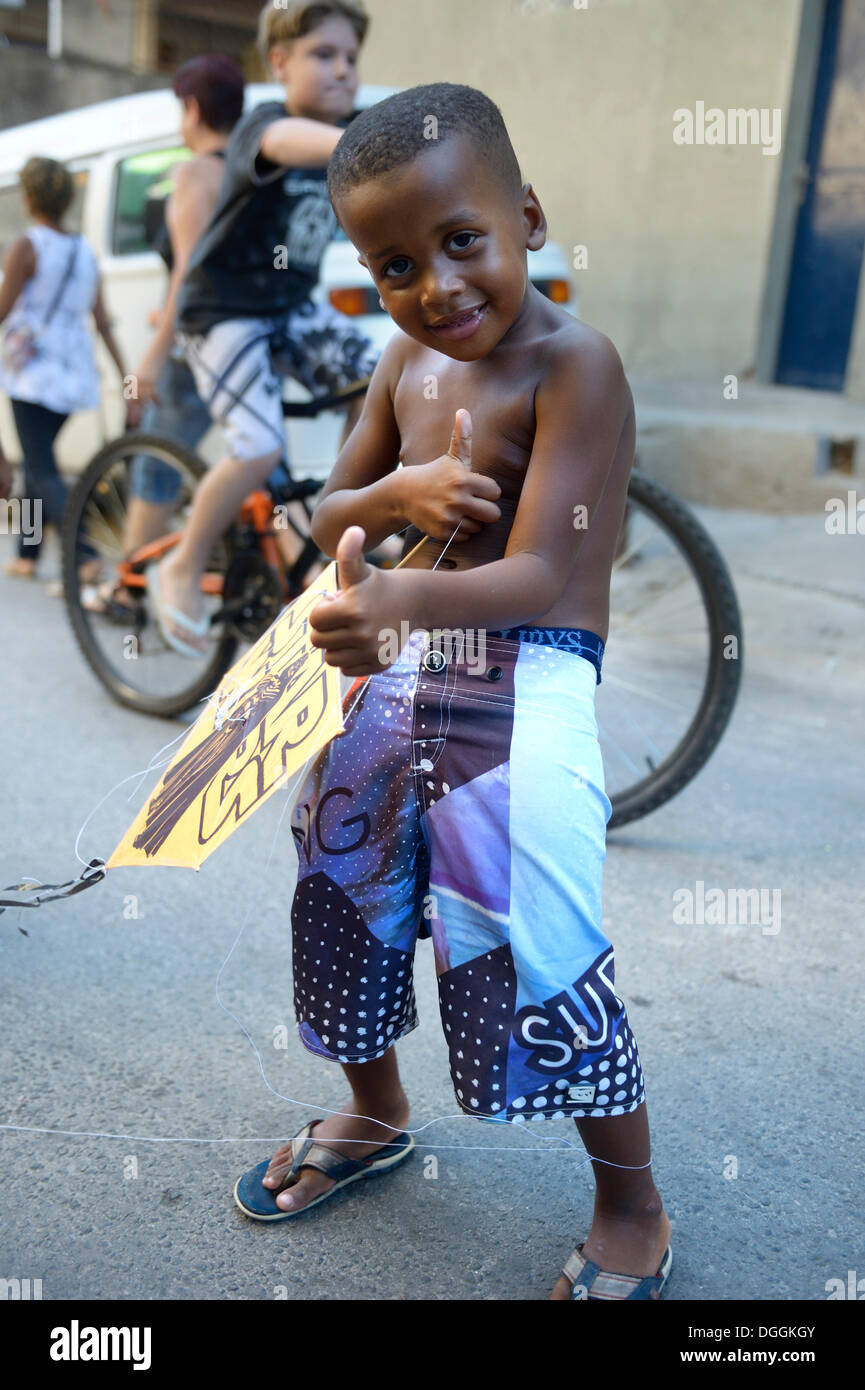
(161, 611)
(589, 1281)
(260, 1202)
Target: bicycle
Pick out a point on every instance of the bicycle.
(668, 571)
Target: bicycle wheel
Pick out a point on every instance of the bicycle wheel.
(122, 644)
(673, 659)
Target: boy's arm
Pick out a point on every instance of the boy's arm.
(580, 409)
(365, 487)
(264, 142)
(296, 141)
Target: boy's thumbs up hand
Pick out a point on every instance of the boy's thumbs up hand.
(352, 625)
(460, 447)
(442, 495)
(351, 567)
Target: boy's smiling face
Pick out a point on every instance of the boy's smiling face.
(445, 241)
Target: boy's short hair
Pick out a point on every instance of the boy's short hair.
(395, 131)
(284, 23)
(49, 186)
(216, 82)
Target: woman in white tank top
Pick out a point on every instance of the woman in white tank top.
(47, 364)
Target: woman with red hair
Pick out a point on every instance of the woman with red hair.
(210, 89)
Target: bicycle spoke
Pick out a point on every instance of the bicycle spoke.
(682, 636)
(112, 502)
(123, 644)
(610, 743)
(102, 535)
(651, 600)
(639, 691)
(660, 649)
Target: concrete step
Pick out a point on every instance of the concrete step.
(771, 448)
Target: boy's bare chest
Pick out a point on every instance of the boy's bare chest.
(501, 405)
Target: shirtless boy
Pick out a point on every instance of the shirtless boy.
(477, 790)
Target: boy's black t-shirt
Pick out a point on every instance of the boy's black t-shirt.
(262, 208)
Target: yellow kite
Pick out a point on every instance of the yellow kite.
(273, 710)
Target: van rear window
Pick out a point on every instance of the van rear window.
(143, 184)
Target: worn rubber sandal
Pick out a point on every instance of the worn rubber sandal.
(259, 1202)
(590, 1282)
(161, 611)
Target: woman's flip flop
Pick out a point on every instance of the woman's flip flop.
(260, 1202)
(104, 601)
(20, 569)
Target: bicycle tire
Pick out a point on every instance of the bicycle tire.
(723, 676)
(166, 707)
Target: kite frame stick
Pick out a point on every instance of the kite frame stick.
(421, 542)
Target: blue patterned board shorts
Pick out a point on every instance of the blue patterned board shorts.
(465, 801)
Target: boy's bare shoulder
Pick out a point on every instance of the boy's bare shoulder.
(393, 359)
(583, 358)
(560, 356)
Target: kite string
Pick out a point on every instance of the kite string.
(221, 701)
(488, 1148)
(557, 1139)
(152, 766)
(222, 706)
(218, 704)
(271, 1139)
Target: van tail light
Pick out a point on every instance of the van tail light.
(559, 291)
(356, 300)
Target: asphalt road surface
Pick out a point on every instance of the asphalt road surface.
(751, 1042)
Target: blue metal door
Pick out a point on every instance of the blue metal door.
(830, 232)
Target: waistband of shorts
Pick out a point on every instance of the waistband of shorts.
(577, 640)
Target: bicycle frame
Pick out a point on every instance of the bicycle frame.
(256, 511)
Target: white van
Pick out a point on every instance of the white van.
(117, 151)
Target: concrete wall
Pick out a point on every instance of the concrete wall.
(678, 237)
(684, 254)
(90, 33)
(32, 85)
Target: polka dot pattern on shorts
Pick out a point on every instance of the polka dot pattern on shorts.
(353, 996)
(477, 1005)
(617, 1079)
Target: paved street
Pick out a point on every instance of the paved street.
(751, 1043)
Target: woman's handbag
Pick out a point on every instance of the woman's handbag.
(21, 345)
